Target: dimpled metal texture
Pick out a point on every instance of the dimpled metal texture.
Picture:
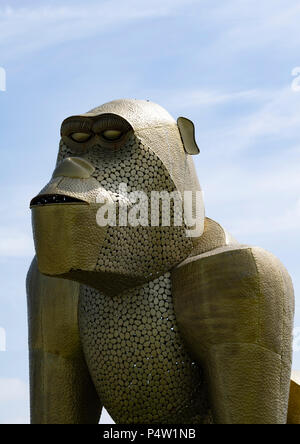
(137, 359)
(138, 362)
(135, 251)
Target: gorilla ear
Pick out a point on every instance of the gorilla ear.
(187, 132)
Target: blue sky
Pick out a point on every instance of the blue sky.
(226, 65)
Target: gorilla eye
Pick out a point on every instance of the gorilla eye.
(81, 137)
(112, 135)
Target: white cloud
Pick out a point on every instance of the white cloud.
(15, 244)
(261, 187)
(277, 117)
(204, 97)
(15, 221)
(256, 24)
(18, 420)
(13, 390)
(261, 199)
(237, 25)
(32, 28)
(273, 113)
(296, 376)
(276, 179)
(274, 221)
(14, 401)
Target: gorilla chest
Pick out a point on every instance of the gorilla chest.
(136, 357)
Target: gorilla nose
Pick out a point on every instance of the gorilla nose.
(74, 167)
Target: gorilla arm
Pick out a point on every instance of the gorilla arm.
(234, 307)
(61, 389)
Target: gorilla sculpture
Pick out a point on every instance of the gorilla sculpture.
(152, 324)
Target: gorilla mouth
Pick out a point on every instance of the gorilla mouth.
(55, 199)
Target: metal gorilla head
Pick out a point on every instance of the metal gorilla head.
(130, 142)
